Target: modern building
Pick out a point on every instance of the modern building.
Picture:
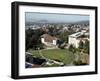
(75, 38)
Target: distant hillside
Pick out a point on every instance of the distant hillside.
(47, 22)
(82, 22)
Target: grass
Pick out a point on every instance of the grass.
(34, 52)
(62, 55)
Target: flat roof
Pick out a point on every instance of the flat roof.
(76, 34)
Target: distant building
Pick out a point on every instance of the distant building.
(75, 38)
(49, 40)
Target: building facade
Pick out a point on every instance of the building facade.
(75, 38)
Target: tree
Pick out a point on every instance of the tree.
(51, 31)
(72, 48)
(86, 47)
(64, 36)
(62, 46)
(33, 38)
(79, 62)
(81, 45)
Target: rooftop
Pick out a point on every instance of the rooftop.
(48, 38)
(75, 35)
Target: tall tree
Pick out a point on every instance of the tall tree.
(81, 45)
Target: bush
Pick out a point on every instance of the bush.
(72, 48)
(62, 46)
(79, 63)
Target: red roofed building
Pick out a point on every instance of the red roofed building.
(49, 40)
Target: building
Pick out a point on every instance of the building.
(49, 40)
(75, 38)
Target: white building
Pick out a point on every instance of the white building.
(75, 38)
(49, 40)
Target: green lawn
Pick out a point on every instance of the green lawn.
(62, 55)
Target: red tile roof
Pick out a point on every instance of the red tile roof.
(49, 38)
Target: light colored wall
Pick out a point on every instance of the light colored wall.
(42, 40)
(46, 43)
(54, 42)
(73, 41)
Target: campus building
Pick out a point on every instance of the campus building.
(75, 38)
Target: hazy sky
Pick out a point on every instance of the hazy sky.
(35, 17)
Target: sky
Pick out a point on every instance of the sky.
(54, 17)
